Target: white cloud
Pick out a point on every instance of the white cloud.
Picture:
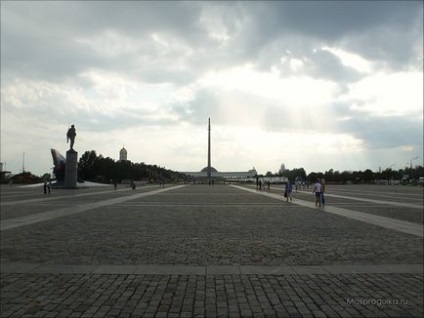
(388, 94)
(312, 85)
(299, 91)
(352, 60)
(296, 64)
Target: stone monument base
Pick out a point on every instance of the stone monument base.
(71, 169)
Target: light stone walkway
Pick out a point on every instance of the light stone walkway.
(45, 216)
(41, 268)
(386, 202)
(393, 224)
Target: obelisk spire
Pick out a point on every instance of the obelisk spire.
(209, 148)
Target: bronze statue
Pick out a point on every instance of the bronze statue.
(71, 136)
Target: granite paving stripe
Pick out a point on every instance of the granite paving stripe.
(267, 270)
(213, 205)
(41, 217)
(400, 204)
(115, 269)
(381, 191)
(170, 270)
(47, 198)
(155, 204)
(222, 270)
(68, 269)
(371, 268)
(18, 267)
(51, 197)
(180, 269)
(393, 224)
(302, 270)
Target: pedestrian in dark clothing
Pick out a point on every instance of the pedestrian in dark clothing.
(288, 192)
(322, 191)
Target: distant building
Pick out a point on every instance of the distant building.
(123, 154)
(234, 175)
(4, 173)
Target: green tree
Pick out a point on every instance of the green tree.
(368, 176)
(86, 165)
(329, 175)
(345, 176)
(104, 169)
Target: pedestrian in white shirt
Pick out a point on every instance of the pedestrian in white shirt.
(317, 191)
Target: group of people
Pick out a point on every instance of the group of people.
(47, 187)
(301, 185)
(263, 185)
(319, 189)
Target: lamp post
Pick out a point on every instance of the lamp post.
(390, 172)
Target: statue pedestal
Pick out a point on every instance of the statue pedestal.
(71, 169)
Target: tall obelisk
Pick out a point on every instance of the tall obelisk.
(209, 149)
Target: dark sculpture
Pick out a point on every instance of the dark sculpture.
(59, 162)
(71, 136)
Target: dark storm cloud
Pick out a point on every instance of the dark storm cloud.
(91, 17)
(333, 20)
(376, 131)
(202, 106)
(324, 65)
(384, 132)
(38, 37)
(379, 31)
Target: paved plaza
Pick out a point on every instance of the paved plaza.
(211, 251)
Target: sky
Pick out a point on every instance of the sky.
(309, 84)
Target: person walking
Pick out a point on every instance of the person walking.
(288, 191)
(317, 191)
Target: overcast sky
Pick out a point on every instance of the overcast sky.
(319, 85)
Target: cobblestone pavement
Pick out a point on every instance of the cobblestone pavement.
(200, 251)
(345, 295)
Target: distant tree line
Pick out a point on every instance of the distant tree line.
(406, 175)
(96, 168)
(25, 177)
